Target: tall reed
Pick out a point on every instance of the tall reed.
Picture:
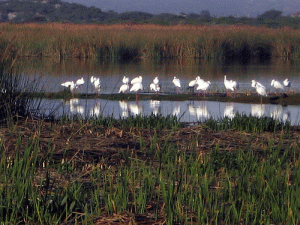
(129, 42)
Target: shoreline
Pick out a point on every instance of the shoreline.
(282, 98)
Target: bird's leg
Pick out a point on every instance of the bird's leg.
(136, 96)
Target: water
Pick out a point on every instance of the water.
(185, 111)
(52, 73)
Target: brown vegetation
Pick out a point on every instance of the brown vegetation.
(131, 41)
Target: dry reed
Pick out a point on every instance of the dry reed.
(130, 41)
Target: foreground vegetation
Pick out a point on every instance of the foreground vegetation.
(127, 43)
(151, 170)
(143, 169)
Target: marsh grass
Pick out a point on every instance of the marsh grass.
(251, 124)
(123, 43)
(14, 99)
(160, 177)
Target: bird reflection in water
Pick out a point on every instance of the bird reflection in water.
(258, 110)
(286, 116)
(176, 110)
(135, 109)
(200, 112)
(124, 109)
(75, 107)
(229, 111)
(155, 106)
(277, 112)
(95, 111)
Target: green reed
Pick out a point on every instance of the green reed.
(248, 123)
(139, 121)
(232, 187)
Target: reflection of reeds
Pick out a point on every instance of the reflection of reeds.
(126, 43)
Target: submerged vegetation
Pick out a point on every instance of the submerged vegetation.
(130, 42)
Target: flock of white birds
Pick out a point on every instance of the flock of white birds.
(199, 84)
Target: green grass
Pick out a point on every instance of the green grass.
(230, 187)
(249, 124)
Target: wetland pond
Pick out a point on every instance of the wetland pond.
(51, 74)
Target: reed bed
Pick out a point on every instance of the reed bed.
(103, 171)
(128, 42)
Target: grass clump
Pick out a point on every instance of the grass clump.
(14, 98)
(250, 124)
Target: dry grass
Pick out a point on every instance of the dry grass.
(82, 143)
(123, 41)
(87, 147)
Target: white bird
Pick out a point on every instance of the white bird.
(193, 83)
(124, 88)
(260, 89)
(254, 83)
(125, 80)
(92, 79)
(177, 83)
(79, 82)
(287, 84)
(231, 85)
(136, 87)
(199, 80)
(154, 86)
(156, 80)
(277, 85)
(96, 83)
(203, 87)
(138, 79)
(69, 84)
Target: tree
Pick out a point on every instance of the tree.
(205, 14)
(271, 14)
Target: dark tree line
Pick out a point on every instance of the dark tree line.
(58, 11)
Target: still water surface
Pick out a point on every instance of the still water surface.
(185, 111)
(52, 73)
